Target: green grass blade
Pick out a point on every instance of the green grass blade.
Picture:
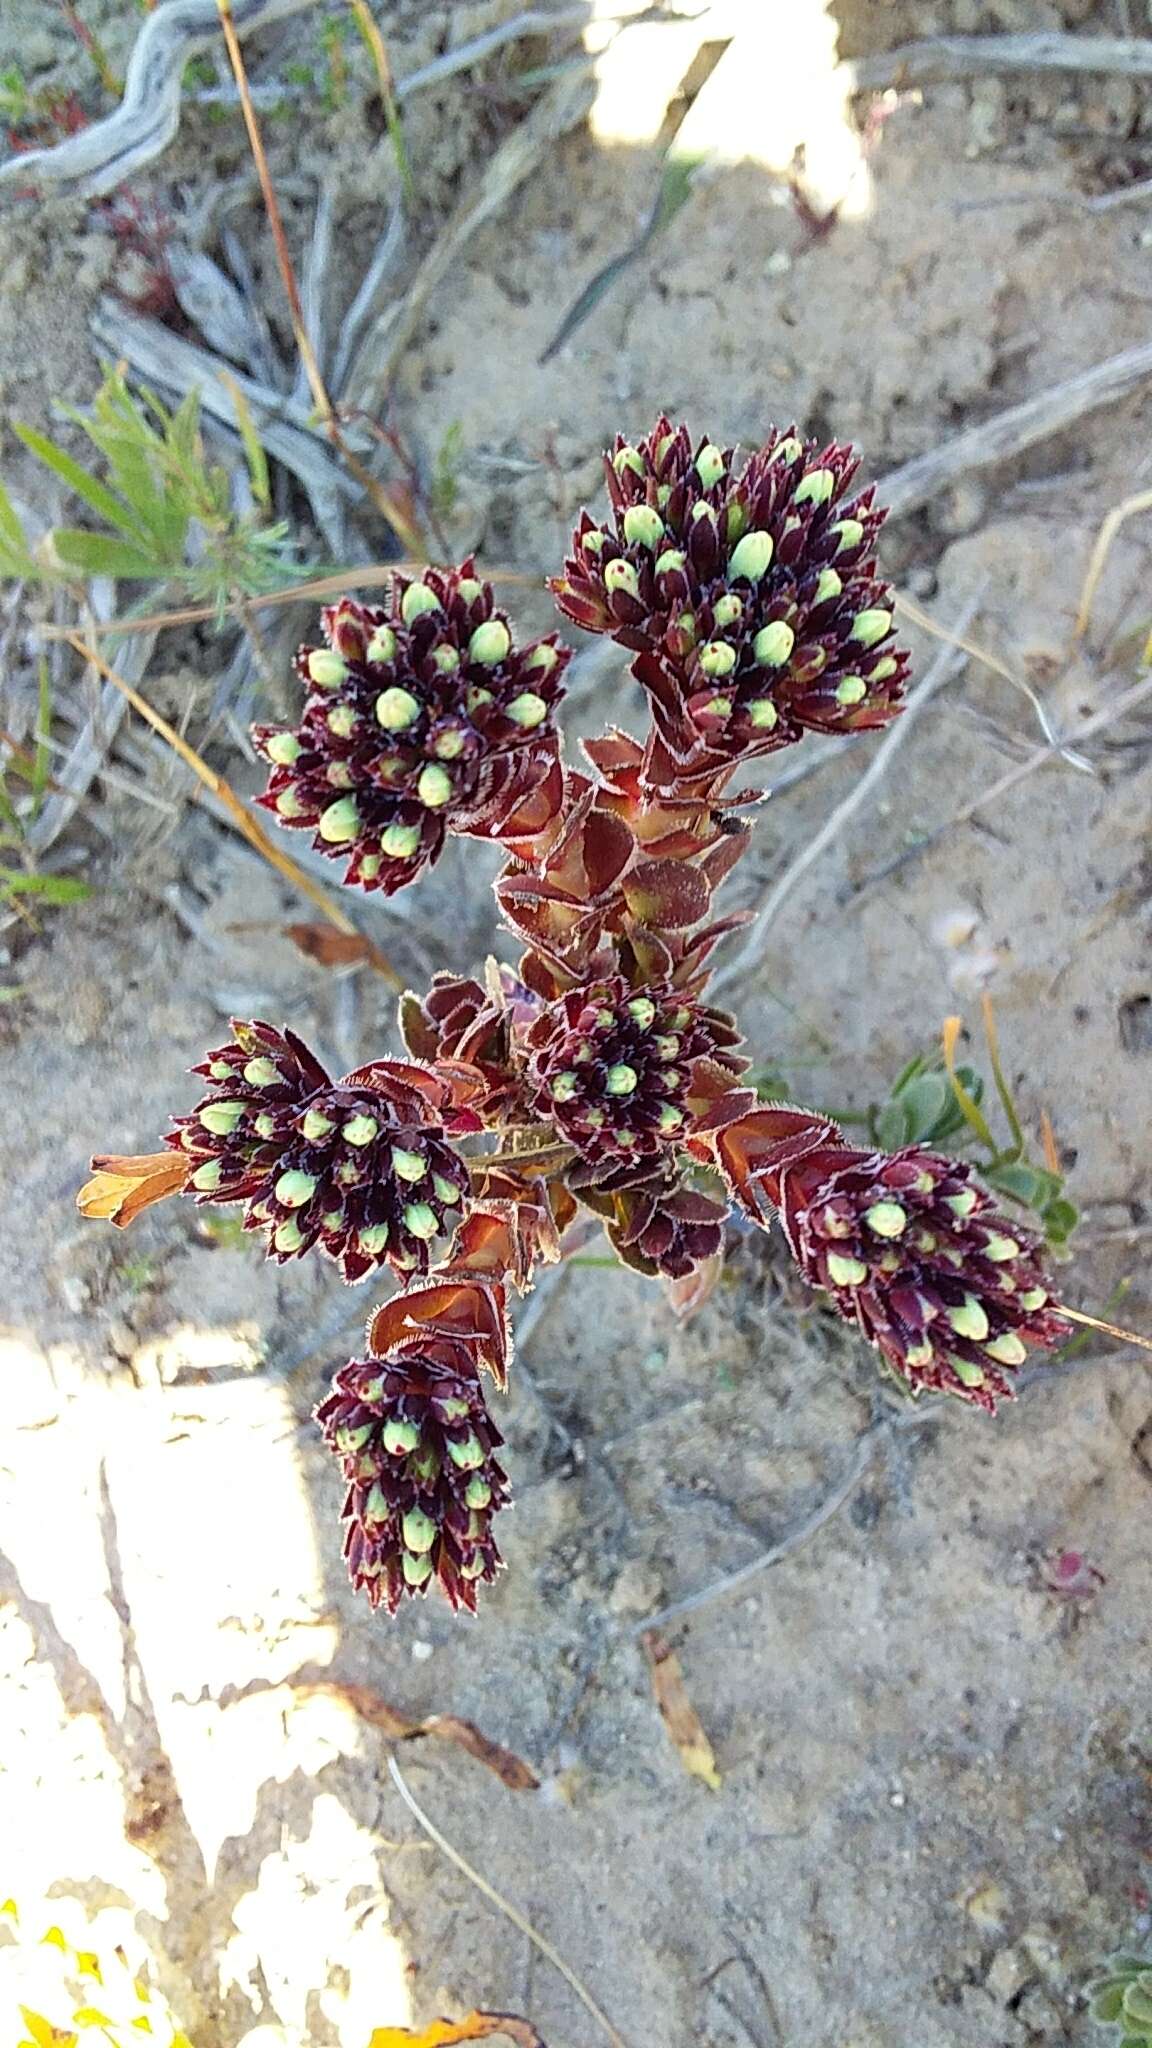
(49, 888)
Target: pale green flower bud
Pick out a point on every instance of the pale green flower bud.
(262, 1073)
(751, 556)
(620, 1080)
(816, 486)
(671, 559)
(1007, 1349)
(400, 842)
(397, 709)
(283, 748)
(870, 626)
(340, 822)
(316, 1126)
(468, 1455)
(762, 714)
(342, 721)
(643, 1010)
(420, 1220)
(709, 465)
(326, 668)
(828, 585)
(221, 1118)
(434, 787)
(288, 1236)
(419, 1530)
(969, 1320)
(382, 645)
(410, 1166)
(851, 690)
(359, 1130)
(727, 610)
(643, 526)
(846, 1272)
(717, 658)
(774, 643)
(849, 534)
(418, 600)
(527, 710)
(490, 643)
(206, 1178)
(887, 1219)
(620, 575)
(295, 1188)
(288, 804)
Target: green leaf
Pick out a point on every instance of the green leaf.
(1107, 2003)
(1059, 1219)
(80, 481)
(13, 541)
(52, 888)
(924, 1102)
(253, 446)
(101, 554)
(1137, 2006)
(1032, 1185)
(893, 1126)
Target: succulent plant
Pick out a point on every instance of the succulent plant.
(359, 1166)
(421, 718)
(749, 593)
(417, 1446)
(907, 1246)
(614, 1067)
(1123, 1999)
(591, 1079)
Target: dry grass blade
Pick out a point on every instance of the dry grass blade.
(374, 41)
(370, 577)
(927, 624)
(1129, 700)
(866, 1448)
(237, 810)
(385, 501)
(1126, 509)
(539, 1941)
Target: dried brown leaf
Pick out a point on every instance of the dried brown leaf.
(479, 2026)
(123, 1186)
(399, 1727)
(677, 1712)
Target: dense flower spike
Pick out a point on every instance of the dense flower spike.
(417, 1445)
(615, 1068)
(750, 592)
(359, 1166)
(914, 1251)
(421, 718)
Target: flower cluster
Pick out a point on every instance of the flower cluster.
(750, 594)
(591, 1080)
(359, 1166)
(909, 1247)
(421, 717)
(612, 1067)
(417, 1447)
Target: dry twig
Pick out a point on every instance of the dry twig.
(503, 1905)
(941, 57)
(1018, 427)
(385, 501)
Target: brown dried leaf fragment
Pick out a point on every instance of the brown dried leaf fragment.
(677, 1712)
(122, 1187)
(399, 1727)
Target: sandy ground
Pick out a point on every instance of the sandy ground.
(934, 1811)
